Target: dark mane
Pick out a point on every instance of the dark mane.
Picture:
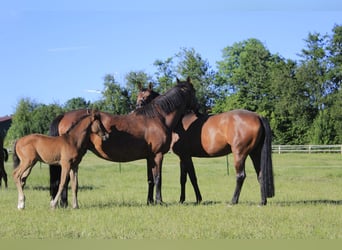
(166, 103)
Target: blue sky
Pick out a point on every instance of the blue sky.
(52, 51)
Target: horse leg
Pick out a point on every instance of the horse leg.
(55, 177)
(256, 159)
(157, 176)
(74, 186)
(20, 175)
(150, 182)
(5, 179)
(239, 163)
(62, 183)
(3, 174)
(182, 180)
(187, 167)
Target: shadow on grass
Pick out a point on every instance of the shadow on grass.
(118, 203)
(308, 202)
(46, 188)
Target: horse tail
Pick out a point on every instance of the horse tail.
(16, 160)
(53, 131)
(266, 160)
(5, 154)
(55, 170)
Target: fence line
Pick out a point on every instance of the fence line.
(307, 149)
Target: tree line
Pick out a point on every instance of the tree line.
(301, 98)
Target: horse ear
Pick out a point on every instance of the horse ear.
(177, 80)
(150, 86)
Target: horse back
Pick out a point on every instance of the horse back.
(42, 148)
(241, 129)
(219, 134)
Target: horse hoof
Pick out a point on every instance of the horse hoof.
(21, 207)
(149, 203)
(53, 204)
(63, 204)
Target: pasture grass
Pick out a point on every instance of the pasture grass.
(307, 205)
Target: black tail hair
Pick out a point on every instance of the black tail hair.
(5, 154)
(55, 170)
(53, 131)
(266, 160)
(16, 160)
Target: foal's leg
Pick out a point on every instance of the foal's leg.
(20, 175)
(74, 186)
(64, 173)
(239, 163)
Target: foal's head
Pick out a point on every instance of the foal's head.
(97, 126)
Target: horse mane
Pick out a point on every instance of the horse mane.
(76, 123)
(167, 102)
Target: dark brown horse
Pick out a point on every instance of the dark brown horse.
(145, 133)
(240, 132)
(3, 158)
(66, 150)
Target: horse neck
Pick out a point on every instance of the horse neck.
(81, 132)
(172, 119)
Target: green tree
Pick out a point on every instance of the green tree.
(32, 117)
(191, 64)
(290, 106)
(115, 98)
(76, 103)
(320, 72)
(312, 71)
(243, 74)
(335, 57)
(21, 119)
(165, 74)
(133, 80)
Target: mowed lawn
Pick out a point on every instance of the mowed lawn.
(307, 205)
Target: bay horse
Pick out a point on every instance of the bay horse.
(145, 133)
(67, 150)
(240, 132)
(3, 159)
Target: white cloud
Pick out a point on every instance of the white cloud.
(71, 48)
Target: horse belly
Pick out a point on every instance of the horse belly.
(120, 151)
(49, 156)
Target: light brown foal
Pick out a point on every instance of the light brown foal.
(66, 150)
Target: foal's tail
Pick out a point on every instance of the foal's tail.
(16, 160)
(266, 160)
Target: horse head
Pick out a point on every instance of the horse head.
(97, 126)
(187, 86)
(145, 95)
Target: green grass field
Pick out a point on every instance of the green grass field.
(307, 205)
